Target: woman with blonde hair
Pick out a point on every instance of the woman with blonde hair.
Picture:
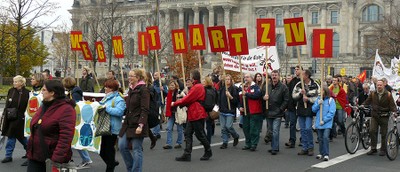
(14, 116)
(135, 126)
(172, 96)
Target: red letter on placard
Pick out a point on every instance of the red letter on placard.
(238, 42)
(118, 46)
(266, 32)
(87, 55)
(179, 42)
(322, 43)
(217, 38)
(154, 38)
(294, 31)
(143, 43)
(76, 38)
(100, 52)
(197, 37)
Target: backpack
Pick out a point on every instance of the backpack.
(210, 99)
(152, 118)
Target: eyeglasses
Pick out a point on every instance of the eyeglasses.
(131, 76)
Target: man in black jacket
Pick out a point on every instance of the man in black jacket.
(278, 98)
(292, 109)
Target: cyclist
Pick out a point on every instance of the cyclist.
(382, 103)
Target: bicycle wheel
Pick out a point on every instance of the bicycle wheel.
(352, 139)
(366, 139)
(392, 145)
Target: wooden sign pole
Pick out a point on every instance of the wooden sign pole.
(301, 72)
(159, 79)
(183, 71)
(200, 68)
(266, 78)
(122, 74)
(76, 68)
(243, 92)
(322, 88)
(226, 87)
(94, 74)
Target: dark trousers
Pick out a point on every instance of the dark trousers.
(210, 127)
(36, 166)
(107, 151)
(376, 122)
(196, 127)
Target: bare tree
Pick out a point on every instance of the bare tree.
(388, 38)
(62, 46)
(24, 13)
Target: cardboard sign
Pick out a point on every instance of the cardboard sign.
(322, 43)
(87, 55)
(100, 51)
(266, 32)
(295, 32)
(238, 44)
(143, 43)
(179, 42)
(118, 46)
(154, 38)
(76, 38)
(197, 37)
(217, 38)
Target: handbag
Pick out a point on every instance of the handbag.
(12, 113)
(181, 115)
(214, 114)
(103, 123)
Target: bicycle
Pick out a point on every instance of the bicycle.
(392, 140)
(358, 131)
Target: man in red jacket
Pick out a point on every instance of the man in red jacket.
(340, 96)
(196, 115)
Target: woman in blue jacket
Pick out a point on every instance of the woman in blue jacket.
(324, 126)
(115, 107)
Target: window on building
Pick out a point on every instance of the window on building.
(142, 26)
(261, 16)
(330, 71)
(370, 44)
(279, 19)
(336, 44)
(334, 17)
(314, 17)
(292, 70)
(368, 70)
(294, 51)
(131, 27)
(86, 27)
(296, 14)
(280, 42)
(372, 13)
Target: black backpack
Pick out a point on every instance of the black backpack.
(153, 119)
(210, 100)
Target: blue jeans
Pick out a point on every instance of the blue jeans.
(84, 155)
(226, 121)
(156, 130)
(170, 126)
(133, 162)
(274, 127)
(286, 118)
(339, 120)
(305, 123)
(293, 122)
(323, 139)
(10, 145)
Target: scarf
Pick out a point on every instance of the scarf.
(134, 86)
(168, 111)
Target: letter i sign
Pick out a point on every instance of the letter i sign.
(322, 43)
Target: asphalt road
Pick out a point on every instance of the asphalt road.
(234, 159)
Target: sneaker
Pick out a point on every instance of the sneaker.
(372, 151)
(235, 141)
(167, 147)
(289, 145)
(178, 146)
(158, 136)
(382, 153)
(25, 163)
(326, 158)
(319, 157)
(7, 159)
(245, 148)
(224, 146)
(310, 152)
(303, 152)
(84, 165)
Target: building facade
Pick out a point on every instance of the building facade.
(351, 20)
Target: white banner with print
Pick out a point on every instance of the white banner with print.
(254, 62)
(391, 74)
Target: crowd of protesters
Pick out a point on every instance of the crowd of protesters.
(269, 97)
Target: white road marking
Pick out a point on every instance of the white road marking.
(340, 159)
(215, 144)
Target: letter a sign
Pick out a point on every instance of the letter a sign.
(197, 37)
(294, 31)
